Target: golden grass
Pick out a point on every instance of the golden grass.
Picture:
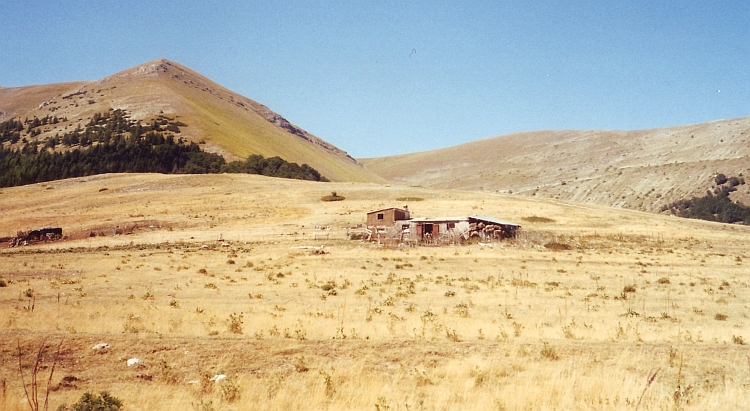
(515, 326)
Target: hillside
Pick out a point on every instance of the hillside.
(641, 170)
(223, 122)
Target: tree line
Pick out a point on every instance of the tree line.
(111, 143)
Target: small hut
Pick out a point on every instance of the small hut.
(387, 224)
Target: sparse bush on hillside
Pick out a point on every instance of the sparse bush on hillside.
(715, 205)
(735, 181)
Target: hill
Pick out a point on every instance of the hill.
(223, 122)
(643, 170)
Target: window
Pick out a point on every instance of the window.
(451, 225)
(381, 216)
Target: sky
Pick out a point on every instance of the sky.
(379, 78)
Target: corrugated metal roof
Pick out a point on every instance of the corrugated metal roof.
(439, 220)
(493, 220)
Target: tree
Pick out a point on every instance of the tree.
(735, 181)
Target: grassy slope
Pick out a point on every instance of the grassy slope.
(227, 126)
(212, 112)
(523, 327)
(635, 169)
(18, 101)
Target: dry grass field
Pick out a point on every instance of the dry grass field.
(590, 308)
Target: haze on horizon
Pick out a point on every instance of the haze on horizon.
(383, 78)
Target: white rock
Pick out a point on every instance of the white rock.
(135, 362)
(100, 346)
(218, 378)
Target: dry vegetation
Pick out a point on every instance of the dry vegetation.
(640, 169)
(590, 308)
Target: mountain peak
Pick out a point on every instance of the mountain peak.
(150, 68)
(222, 121)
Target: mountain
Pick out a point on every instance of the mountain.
(644, 169)
(222, 121)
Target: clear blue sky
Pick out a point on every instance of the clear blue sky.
(387, 77)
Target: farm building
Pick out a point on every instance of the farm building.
(456, 229)
(383, 221)
(395, 225)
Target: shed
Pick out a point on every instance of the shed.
(382, 220)
(493, 227)
(436, 228)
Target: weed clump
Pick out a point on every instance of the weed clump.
(549, 352)
(234, 323)
(555, 246)
(230, 390)
(537, 219)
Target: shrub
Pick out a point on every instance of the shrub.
(333, 197)
(230, 390)
(555, 246)
(3, 283)
(629, 288)
(735, 181)
(93, 402)
(720, 317)
(536, 219)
